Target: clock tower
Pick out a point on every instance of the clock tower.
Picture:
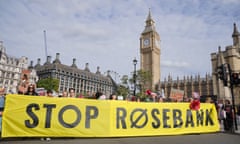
(150, 52)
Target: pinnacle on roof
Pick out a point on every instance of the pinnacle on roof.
(149, 15)
(235, 31)
(149, 23)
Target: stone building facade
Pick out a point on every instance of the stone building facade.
(210, 85)
(189, 84)
(11, 70)
(83, 81)
(230, 55)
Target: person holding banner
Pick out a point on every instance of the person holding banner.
(23, 86)
(113, 97)
(195, 103)
(49, 93)
(65, 93)
(2, 101)
(150, 96)
(98, 94)
(72, 93)
(31, 90)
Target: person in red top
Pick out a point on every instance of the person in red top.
(80, 96)
(195, 103)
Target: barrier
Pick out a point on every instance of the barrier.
(36, 116)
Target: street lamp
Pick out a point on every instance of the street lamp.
(134, 76)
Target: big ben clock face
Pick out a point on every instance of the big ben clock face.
(146, 42)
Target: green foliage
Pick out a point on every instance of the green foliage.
(142, 79)
(48, 83)
(123, 88)
(124, 80)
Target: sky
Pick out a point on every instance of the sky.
(106, 33)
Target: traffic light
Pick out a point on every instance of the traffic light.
(222, 74)
(235, 80)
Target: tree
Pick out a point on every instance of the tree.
(49, 83)
(143, 78)
(123, 88)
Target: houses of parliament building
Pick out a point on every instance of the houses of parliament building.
(209, 86)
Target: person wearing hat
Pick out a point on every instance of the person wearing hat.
(2, 101)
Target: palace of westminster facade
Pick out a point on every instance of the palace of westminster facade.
(11, 70)
(208, 86)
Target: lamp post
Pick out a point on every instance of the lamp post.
(134, 76)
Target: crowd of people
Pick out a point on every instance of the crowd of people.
(226, 115)
(224, 108)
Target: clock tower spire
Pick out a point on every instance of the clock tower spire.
(150, 52)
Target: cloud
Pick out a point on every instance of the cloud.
(175, 64)
(107, 33)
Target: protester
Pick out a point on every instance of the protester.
(160, 99)
(98, 94)
(102, 97)
(208, 100)
(23, 86)
(64, 94)
(49, 93)
(113, 97)
(72, 93)
(31, 90)
(195, 103)
(2, 101)
(228, 121)
(81, 95)
(150, 96)
(220, 111)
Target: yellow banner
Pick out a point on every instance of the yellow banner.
(37, 116)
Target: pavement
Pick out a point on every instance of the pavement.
(207, 138)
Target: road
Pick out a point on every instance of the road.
(212, 138)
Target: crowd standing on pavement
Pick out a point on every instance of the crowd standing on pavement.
(226, 115)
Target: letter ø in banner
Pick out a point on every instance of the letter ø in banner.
(135, 121)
